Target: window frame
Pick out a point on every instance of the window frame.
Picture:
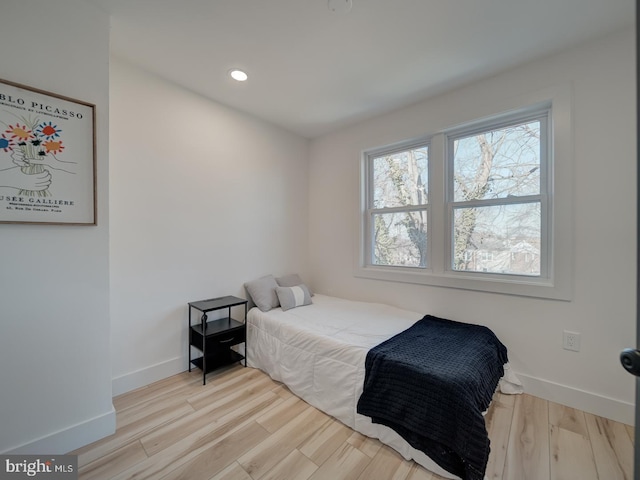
(558, 285)
(370, 211)
(543, 115)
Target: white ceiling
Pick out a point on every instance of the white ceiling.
(312, 71)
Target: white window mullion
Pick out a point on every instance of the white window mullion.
(438, 219)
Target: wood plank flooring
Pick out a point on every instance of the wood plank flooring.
(244, 426)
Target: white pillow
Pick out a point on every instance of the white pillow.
(291, 297)
(263, 292)
(291, 280)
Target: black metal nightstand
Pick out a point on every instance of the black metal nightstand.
(215, 338)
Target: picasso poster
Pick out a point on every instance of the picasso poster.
(47, 157)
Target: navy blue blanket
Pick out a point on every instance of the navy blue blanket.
(431, 384)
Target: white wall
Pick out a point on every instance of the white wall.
(55, 371)
(601, 76)
(203, 199)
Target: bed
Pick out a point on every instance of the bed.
(319, 351)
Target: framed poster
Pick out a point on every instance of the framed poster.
(47, 157)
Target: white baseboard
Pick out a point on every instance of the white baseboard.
(145, 376)
(600, 405)
(71, 438)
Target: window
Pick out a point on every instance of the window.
(398, 206)
(498, 197)
(471, 207)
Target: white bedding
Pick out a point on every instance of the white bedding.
(319, 352)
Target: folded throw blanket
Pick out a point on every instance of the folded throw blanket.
(431, 384)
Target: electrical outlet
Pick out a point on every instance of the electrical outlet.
(571, 341)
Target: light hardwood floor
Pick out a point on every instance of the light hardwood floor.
(244, 426)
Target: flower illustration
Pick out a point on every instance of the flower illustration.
(6, 143)
(36, 141)
(52, 146)
(48, 130)
(20, 132)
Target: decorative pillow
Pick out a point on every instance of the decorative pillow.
(292, 280)
(291, 297)
(263, 292)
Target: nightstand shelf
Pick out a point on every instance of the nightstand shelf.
(214, 338)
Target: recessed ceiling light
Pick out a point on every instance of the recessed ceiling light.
(238, 75)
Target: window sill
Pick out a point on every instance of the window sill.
(502, 284)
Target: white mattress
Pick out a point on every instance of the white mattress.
(319, 352)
